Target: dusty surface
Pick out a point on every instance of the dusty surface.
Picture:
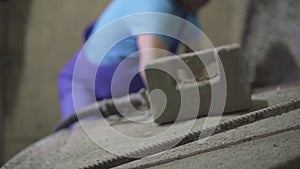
(74, 149)
(270, 152)
(232, 143)
(177, 86)
(271, 39)
(41, 154)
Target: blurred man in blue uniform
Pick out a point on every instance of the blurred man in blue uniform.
(185, 9)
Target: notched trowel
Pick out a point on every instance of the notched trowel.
(189, 73)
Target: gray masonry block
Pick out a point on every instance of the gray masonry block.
(179, 80)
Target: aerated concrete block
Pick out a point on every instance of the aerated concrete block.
(237, 90)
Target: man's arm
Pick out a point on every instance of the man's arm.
(151, 47)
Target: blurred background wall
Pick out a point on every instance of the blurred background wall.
(44, 34)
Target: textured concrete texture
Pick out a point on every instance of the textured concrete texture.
(38, 154)
(271, 41)
(276, 151)
(237, 87)
(239, 148)
(255, 145)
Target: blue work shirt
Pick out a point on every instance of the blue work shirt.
(119, 9)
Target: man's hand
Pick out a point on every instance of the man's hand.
(151, 47)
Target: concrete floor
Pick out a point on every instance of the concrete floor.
(270, 143)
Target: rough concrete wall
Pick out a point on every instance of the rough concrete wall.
(271, 41)
(3, 40)
(43, 36)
